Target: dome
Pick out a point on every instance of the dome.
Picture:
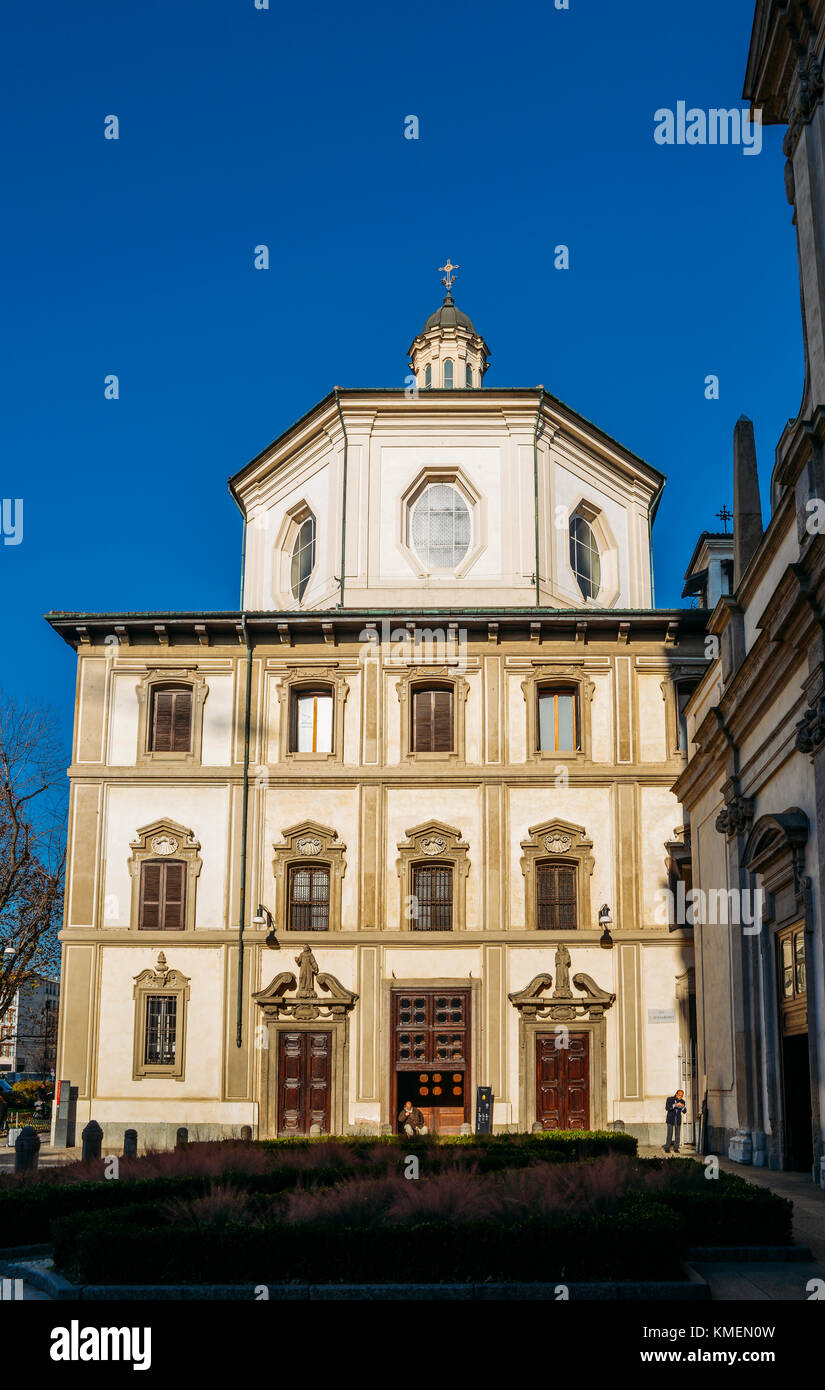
(448, 316)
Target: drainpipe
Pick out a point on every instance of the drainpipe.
(536, 489)
(343, 500)
(242, 560)
(244, 826)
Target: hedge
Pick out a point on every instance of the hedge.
(641, 1242)
(27, 1209)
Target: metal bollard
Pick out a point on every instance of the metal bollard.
(26, 1150)
(92, 1141)
(130, 1143)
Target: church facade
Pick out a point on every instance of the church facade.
(402, 825)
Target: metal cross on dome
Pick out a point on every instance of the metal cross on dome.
(725, 516)
(448, 279)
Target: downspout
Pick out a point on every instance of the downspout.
(243, 561)
(244, 827)
(343, 499)
(536, 490)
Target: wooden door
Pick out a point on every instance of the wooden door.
(304, 1082)
(563, 1082)
(431, 1056)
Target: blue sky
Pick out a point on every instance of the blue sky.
(286, 127)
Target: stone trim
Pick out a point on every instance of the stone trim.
(425, 676)
(558, 676)
(310, 678)
(305, 1012)
(306, 844)
(455, 476)
(160, 676)
(165, 839)
(291, 523)
(171, 984)
(610, 583)
(433, 843)
(562, 842)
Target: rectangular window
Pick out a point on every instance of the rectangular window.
(162, 895)
(558, 721)
(161, 1029)
(556, 897)
(432, 889)
(309, 898)
(311, 722)
(432, 720)
(684, 690)
(171, 722)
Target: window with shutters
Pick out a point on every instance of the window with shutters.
(308, 904)
(557, 721)
(432, 897)
(311, 720)
(432, 719)
(555, 896)
(162, 895)
(164, 866)
(170, 726)
(170, 715)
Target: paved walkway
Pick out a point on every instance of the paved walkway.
(47, 1158)
(764, 1281)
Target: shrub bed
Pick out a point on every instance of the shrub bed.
(134, 1247)
(29, 1204)
(607, 1218)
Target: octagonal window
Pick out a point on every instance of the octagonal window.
(440, 526)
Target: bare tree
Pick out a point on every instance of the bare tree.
(32, 845)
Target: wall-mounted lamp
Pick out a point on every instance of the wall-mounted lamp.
(264, 918)
(605, 940)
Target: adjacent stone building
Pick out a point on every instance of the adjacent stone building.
(755, 784)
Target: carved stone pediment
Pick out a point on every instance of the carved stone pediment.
(289, 997)
(562, 1006)
(161, 977)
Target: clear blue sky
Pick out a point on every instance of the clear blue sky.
(285, 127)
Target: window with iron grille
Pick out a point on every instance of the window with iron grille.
(556, 897)
(308, 906)
(162, 895)
(432, 890)
(161, 1029)
(170, 726)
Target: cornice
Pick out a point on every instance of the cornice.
(768, 547)
(358, 936)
